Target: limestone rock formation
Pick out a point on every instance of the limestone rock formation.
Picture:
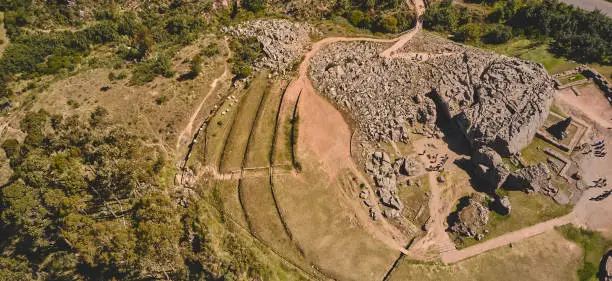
(606, 270)
(497, 101)
(535, 178)
(282, 41)
(385, 178)
(490, 167)
(472, 219)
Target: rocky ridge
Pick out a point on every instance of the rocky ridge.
(497, 101)
(282, 41)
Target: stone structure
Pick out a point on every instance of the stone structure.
(282, 41)
(497, 101)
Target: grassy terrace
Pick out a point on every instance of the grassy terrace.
(236, 144)
(263, 218)
(218, 131)
(323, 226)
(263, 135)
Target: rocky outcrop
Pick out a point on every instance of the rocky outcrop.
(472, 219)
(385, 178)
(282, 41)
(490, 168)
(535, 178)
(606, 267)
(497, 101)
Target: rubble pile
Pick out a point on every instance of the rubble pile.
(385, 177)
(472, 219)
(497, 101)
(282, 41)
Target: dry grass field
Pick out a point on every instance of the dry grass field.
(260, 146)
(546, 257)
(242, 126)
(326, 228)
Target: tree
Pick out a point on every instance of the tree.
(355, 17)
(468, 32)
(498, 34)
(253, 5)
(387, 24)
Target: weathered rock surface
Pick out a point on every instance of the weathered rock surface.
(506, 207)
(534, 178)
(385, 178)
(606, 270)
(282, 41)
(490, 167)
(472, 219)
(497, 101)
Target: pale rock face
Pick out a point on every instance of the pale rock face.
(282, 41)
(497, 101)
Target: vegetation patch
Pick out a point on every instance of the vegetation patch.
(593, 245)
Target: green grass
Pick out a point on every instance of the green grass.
(571, 78)
(263, 135)
(235, 148)
(533, 51)
(527, 210)
(593, 245)
(531, 155)
(414, 198)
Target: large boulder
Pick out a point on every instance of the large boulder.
(606, 267)
(489, 167)
(534, 178)
(472, 219)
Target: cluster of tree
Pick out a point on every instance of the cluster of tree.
(246, 52)
(388, 16)
(577, 34)
(85, 202)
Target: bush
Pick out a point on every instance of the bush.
(498, 34)
(211, 50)
(355, 17)
(147, 71)
(253, 5)
(11, 147)
(468, 32)
(442, 17)
(386, 24)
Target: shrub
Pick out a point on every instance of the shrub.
(253, 5)
(498, 34)
(386, 24)
(11, 147)
(441, 17)
(211, 50)
(355, 17)
(468, 32)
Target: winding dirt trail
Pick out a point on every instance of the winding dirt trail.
(188, 130)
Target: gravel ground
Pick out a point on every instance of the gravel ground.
(603, 5)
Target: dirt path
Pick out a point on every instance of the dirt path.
(188, 130)
(591, 102)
